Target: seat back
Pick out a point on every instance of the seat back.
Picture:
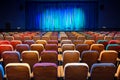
(108, 56)
(44, 42)
(82, 47)
(5, 47)
(37, 47)
(1, 72)
(51, 47)
(22, 47)
(30, 57)
(10, 57)
(76, 71)
(97, 47)
(68, 47)
(90, 57)
(70, 56)
(45, 71)
(103, 71)
(49, 56)
(15, 71)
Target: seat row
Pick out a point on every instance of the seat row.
(50, 71)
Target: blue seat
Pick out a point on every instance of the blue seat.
(102, 71)
(1, 72)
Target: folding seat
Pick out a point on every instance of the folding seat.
(1, 72)
(15, 42)
(29, 42)
(100, 37)
(9, 38)
(52, 41)
(70, 56)
(30, 57)
(75, 42)
(45, 38)
(90, 57)
(27, 37)
(72, 38)
(17, 71)
(5, 47)
(115, 47)
(37, 47)
(108, 38)
(45, 71)
(53, 37)
(63, 38)
(49, 56)
(1, 37)
(4, 42)
(97, 47)
(103, 71)
(10, 57)
(35, 38)
(44, 42)
(82, 47)
(18, 37)
(114, 42)
(81, 38)
(22, 47)
(104, 42)
(108, 56)
(117, 75)
(68, 47)
(89, 42)
(117, 37)
(52, 47)
(66, 42)
(76, 71)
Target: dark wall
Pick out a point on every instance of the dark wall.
(109, 14)
(12, 14)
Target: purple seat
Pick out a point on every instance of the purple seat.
(45, 71)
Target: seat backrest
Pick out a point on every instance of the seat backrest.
(66, 42)
(89, 42)
(70, 56)
(9, 38)
(52, 41)
(1, 72)
(10, 57)
(68, 47)
(35, 38)
(115, 47)
(108, 56)
(15, 42)
(45, 71)
(75, 42)
(102, 71)
(82, 47)
(5, 47)
(29, 42)
(15, 71)
(97, 47)
(104, 42)
(30, 57)
(22, 47)
(90, 57)
(51, 47)
(37, 47)
(76, 71)
(44, 42)
(49, 56)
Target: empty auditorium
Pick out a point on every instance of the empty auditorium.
(59, 40)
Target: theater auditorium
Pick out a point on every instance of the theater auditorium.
(59, 40)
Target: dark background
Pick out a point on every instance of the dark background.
(12, 14)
